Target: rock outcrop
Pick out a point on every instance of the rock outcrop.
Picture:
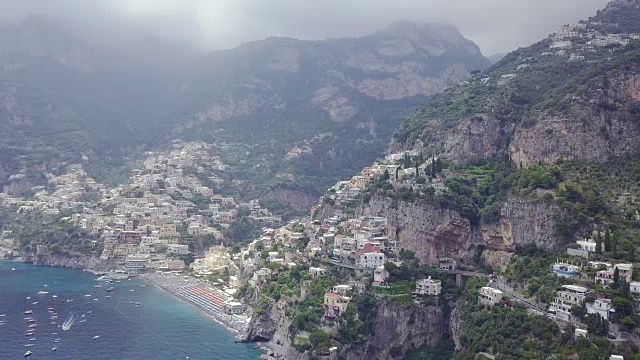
(399, 329)
(76, 262)
(272, 327)
(431, 231)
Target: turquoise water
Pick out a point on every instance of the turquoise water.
(160, 328)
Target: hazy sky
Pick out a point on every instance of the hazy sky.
(496, 25)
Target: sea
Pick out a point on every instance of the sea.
(130, 322)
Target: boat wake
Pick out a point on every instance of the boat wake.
(67, 324)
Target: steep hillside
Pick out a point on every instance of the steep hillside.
(573, 95)
(298, 110)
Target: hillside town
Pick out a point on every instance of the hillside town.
(152, 221)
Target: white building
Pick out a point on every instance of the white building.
(343, 290)
(635, 287)
(566, 298)
(602, 307)
(380, 275)
(371, 260)
(428, 286)
(489, 296)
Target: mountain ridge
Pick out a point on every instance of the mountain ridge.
(291, 90)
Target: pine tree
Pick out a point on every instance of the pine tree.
(386, 175)
(626, 289)
(614, 246)
(607, 241)
(598, 242)
(438, 165)
(616, 278)
(433, 167)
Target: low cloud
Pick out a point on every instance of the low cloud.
(496, 25)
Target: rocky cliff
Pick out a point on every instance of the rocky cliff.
(399, 329)
(539, 105)
(272, 328)
(431, 231)
(76, 262)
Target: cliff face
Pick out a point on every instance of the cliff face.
(399, 329)
(602, 123)
(539, 105)
(430, 231)
(272, 327)
(76, 262)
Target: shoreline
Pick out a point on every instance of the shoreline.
(219, 318)
(236, 326)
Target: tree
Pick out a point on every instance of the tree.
(578, 311)
(438, 165)
(616, 278)
(433, 167)
(407, 161)
(386, 175)
(596, 325)
(626, 289)
(614, 245)
(623, 306)
(598, 243)
(607, 241)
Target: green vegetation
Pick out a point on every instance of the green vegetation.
(443, 350)
(513, 333)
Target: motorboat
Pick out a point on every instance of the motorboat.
(54, 348)
(41, 292)
(27, 354)
(27, 312)
(95, 337)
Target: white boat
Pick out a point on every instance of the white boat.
(69, 300)
(13, 269)
(97, 286)
(88, 295)
(28, 353)
(42, 292)
(54, 296)
(132, 290)
(50, 308)
(27, 312)
(55, 341)
(32, 339)
(89, 312)
(32, 326)
(83, 320)
(33, 303)
(110, 289)
(95, 337)
(54, 348)
(28, 297)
